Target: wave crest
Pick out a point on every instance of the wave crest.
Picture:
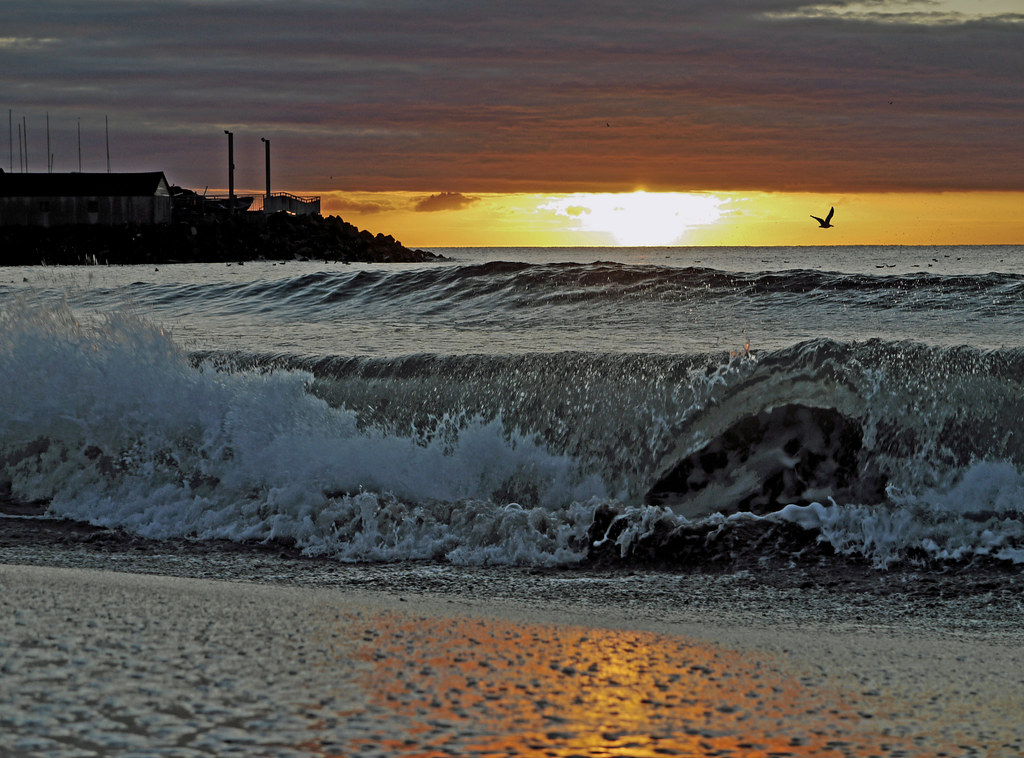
(882, 451)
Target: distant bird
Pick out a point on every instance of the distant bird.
(825, 223)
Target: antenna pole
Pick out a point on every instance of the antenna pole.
(266, 144)
(231, 171)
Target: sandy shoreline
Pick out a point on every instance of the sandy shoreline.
(116, 663)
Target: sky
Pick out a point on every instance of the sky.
(563, 122)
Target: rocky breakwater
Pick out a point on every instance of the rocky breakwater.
(205, 239)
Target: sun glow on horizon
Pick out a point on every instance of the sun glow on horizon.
(637, 218)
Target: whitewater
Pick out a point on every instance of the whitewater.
(673, 407)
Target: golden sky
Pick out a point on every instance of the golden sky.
(456, 122)
(679, 218)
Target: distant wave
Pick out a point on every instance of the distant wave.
(510, 286)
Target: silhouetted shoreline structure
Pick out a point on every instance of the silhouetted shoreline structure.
(138, 218)
(49, 200)
(187, 201)
(67, 219)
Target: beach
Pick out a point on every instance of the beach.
(517, 502)
(310, 660)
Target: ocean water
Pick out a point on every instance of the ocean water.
(533, 407)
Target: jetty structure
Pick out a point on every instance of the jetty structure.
(106, 199)
(274, 202)
(270, 202)
(127, 218)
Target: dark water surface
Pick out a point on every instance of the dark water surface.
(620, 408)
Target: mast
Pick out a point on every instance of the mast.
(24, 135)
(49, 155)
(79, 145)
(106, 126)
(10, 135)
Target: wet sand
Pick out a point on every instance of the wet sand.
(119, 663)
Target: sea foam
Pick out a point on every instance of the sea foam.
(108, 420)
(112, 424)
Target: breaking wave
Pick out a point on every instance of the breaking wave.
(885, 452)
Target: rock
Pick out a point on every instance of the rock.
(202, 239)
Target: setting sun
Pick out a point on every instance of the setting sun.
(637, 218)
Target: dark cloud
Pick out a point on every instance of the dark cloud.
(445, 201)
(709, 94)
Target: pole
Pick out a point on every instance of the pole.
(231, 171)
(24, 133)
(79, 145)
(10, 135)
(266, 144)
(106, 127)
(49, 155)
(21, 152)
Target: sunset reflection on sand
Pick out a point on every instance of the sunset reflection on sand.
(472, 687)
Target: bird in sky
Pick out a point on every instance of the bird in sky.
(825, 223)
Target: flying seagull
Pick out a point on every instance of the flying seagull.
(825, 223)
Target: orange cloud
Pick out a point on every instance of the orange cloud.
(445, 201)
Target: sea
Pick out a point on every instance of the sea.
(675, 407)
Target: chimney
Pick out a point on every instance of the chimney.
(266, 143)
(231, 171)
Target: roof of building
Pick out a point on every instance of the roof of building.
(144, 184)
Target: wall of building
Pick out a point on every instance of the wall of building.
(61, 211)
